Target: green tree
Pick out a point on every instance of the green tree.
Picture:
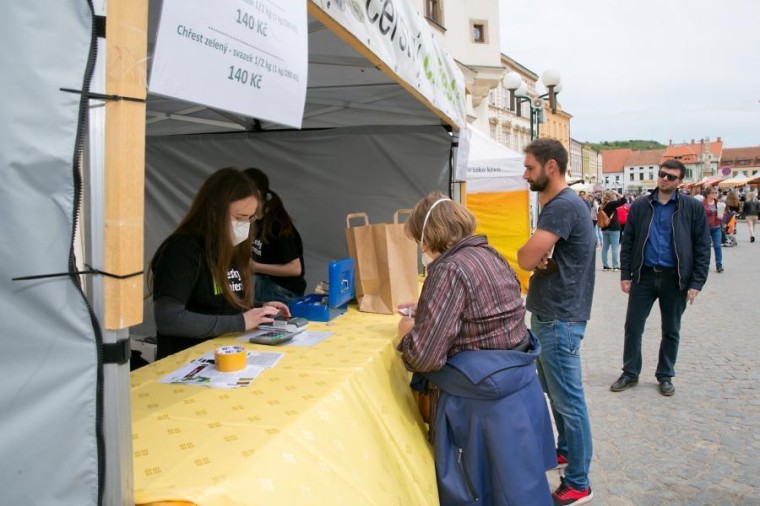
(634, 144)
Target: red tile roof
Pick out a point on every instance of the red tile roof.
(645, 158)
(690, 152)
(731, 155)
(614, 160)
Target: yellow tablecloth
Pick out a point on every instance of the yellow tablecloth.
(330, 424)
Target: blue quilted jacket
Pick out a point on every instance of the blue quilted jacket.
(494, 439)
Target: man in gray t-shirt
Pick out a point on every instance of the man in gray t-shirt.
(566, 294)
(562, 254)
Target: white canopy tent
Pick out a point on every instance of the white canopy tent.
(498, 196)
(737, 181)
(66, 398)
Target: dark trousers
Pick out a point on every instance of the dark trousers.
(663, 287)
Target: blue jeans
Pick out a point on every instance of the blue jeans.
(266, 290)
(716, 237)
(611, 238)
(662, 286)
(559, 370)
(598, 233)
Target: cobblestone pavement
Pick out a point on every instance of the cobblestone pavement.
(701, 446)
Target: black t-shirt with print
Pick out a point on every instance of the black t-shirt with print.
(181, 273)
(280, 249)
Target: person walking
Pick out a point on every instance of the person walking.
(559, 298)
(714, 212)
(751, 208)
(666, 257)
(622, 214)
(594, 209)
(611, 233)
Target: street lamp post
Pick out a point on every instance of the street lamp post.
(518, 93)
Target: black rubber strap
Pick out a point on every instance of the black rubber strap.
(100, 26)
(101, 96)
(89, 271)
(117, 353)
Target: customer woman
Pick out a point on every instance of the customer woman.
(200, 275)
(277, 247)
(467, 337)
(714, 218)
(611, 200)
(751, 208)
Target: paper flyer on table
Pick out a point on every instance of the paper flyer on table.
(201, 371)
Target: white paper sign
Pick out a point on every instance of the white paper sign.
(243, 56)
(396, 33)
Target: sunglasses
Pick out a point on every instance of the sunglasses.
(669, 177)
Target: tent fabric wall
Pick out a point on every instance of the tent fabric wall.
(49, 360)
(321, 175)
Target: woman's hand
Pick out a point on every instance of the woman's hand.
(407, 309)
(405, 324)
(280, 306)
(258, 315)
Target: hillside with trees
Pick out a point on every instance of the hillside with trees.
(636, 145)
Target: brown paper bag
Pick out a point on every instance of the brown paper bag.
(385, 262)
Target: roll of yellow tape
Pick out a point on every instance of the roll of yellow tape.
(230, 358)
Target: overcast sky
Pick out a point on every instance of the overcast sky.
(645, 69)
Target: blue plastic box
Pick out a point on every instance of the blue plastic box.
(323, 308)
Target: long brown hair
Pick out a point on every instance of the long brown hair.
(273, 210)
(209, 220)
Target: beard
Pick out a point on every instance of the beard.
(665, 191)
(540, 183)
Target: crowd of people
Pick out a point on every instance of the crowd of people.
(468, 321)
(236, 259)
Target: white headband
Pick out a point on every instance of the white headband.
(424, 223)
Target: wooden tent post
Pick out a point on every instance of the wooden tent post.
(124, 200)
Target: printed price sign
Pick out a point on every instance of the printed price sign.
(243, 56)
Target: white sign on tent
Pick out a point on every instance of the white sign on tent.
(243, 56)
(397, 34)
(492, 166)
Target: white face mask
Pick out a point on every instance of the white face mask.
(239, 231)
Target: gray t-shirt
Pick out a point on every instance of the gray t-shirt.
(566, 294)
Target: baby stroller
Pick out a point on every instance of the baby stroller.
(728, 226)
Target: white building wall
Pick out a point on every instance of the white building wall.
(458, 16)
(639, 177)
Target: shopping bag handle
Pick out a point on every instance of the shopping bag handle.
(400, 212)
(351, 216)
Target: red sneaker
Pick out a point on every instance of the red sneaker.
(566, 494)
(561, 462)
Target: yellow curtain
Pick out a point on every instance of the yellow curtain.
(504, 218)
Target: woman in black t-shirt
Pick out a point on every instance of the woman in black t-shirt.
(277, 249)
(200, 276)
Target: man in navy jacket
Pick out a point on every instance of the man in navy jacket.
(666, 256)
